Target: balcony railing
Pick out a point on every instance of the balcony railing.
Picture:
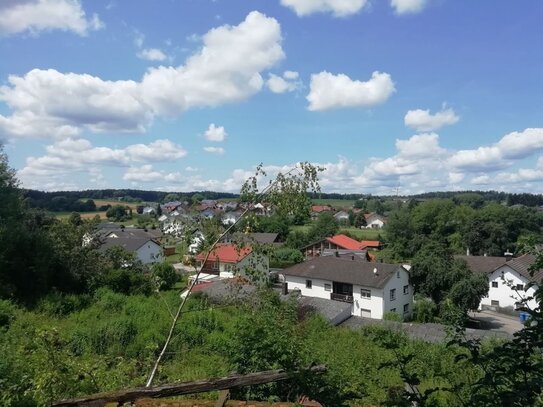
(341, 297)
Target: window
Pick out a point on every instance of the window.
(405, 289)
(397, 274)
(215, 265)
(392, 294)
(405, 308)
(494, 284)
(393, 310)
(308, 283)
(365, 293)
(327, 287)
(520, 287)
(494, 303)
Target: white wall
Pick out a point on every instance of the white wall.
(398, 283)
(374, 305)
(150, 252)
(506, 295)
(317, 286)
(259, 264)
(375, 224)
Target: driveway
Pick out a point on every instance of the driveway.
(496, 322)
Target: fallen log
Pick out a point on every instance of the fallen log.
(179, 389)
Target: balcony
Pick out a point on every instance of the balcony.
(341, 297)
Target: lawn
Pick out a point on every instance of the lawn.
(363, 234)
(103, 202)
(335, 203)
(84, 215)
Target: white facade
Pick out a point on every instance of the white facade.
(150, 252)
(369, 302)
(375, 224)
(502, 293)
(259, 264)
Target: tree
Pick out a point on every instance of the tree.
(196, 198)
(360, 220)
(165, 275)
(118, 213)
(326, 225)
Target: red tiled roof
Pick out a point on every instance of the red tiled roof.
(320, 208)
(226, 253)
(345, 242)
(370, 243)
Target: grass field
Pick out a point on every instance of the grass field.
(336, 203)
(102, 202)
(363, 234)
(84, 215)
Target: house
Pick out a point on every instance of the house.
(197, 239)
(229, 218)
(341, 242)
(171, 206)
(372, 288)
(207, 213)
(507, 280)
(374, 221)
(341, 216)
(146, 250)
(227, 259)
(149, 210)
(316, 210)
(371, 244)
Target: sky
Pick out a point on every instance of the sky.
(390, 96)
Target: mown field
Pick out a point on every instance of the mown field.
(336, 203)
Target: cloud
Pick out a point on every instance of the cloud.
(34, 16)
(67, 156)
(145, 173)
(287, 83)
(226, 69)
(50, 104)
(214, 150)
(512, 146)
(214, 133)
(408, 6)
(69, 103)
(423, 120)
(420, 146)
(152, 54)
(338, 8)
(329, 91)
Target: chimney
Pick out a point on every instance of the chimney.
(352, 257)
(467, 251)
(508, 255)
(375, 271)
(337, 253)
(284, 288)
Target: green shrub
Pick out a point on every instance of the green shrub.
(392, 316)
(8, 312)
(424, 310)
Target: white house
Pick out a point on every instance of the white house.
(371, 288)
(145, 249)
(228, 260)
(229, 218)
(197, 239)
(507, 284)
(374, 221)
(342, 216)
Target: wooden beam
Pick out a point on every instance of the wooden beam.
(178, 389)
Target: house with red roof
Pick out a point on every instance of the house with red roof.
(338, 242)
(227, 260)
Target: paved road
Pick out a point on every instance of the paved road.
(496, 322)
(426, 332)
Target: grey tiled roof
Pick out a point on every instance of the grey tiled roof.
(343, 270)
(522, 264)
(482, 264)
(129, 243)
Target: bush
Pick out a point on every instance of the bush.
(165, 275)
(424, 310)
(59, 304)
(126, 281)
(7, 313)
(392, 316)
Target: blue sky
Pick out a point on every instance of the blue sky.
(185, 95)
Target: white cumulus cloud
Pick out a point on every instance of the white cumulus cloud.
(44, 15)
(339, 8)
(408, 6)
(214, 150)
(51, 104)
(152, 54)
(329, 91)
(287, 83)
(215, 133)
(423, 120)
